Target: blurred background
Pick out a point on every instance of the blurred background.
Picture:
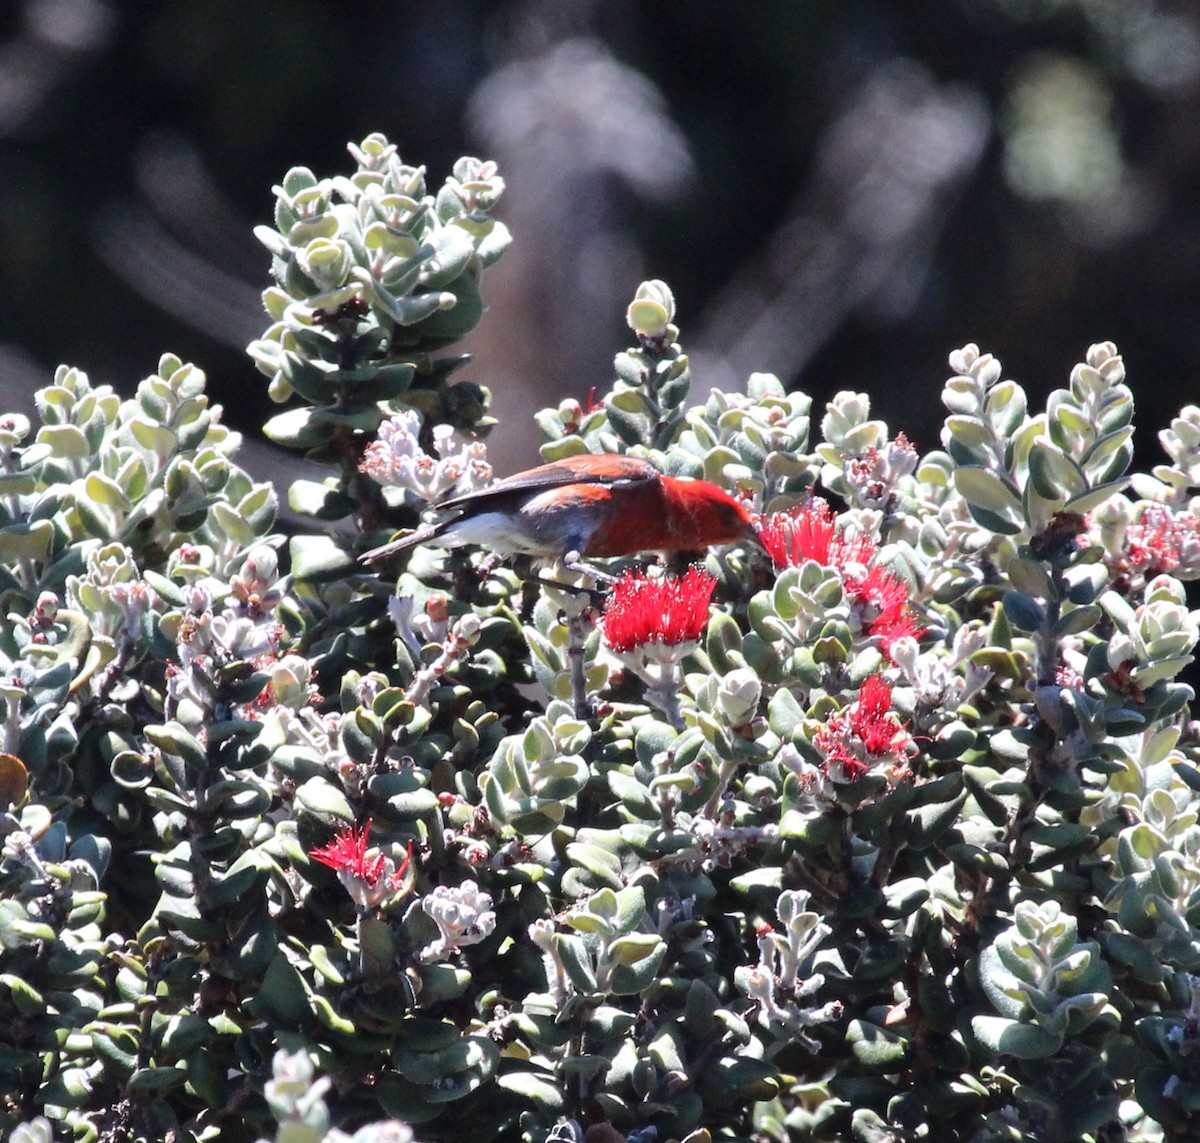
(841, 191)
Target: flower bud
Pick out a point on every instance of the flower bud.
(47, 607)
(739, 693)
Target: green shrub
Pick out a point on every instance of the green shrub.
(898, 840)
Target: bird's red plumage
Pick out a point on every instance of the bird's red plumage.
(600, 505)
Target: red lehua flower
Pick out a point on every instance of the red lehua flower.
(881, 592)
(866, 734)
(883, 600)
(833, 740)
(347, 853)
(892, 626)
(809, 532)
(666, 611)
(870, 721)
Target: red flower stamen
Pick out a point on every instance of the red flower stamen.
(883, 600)
(347, 853)
(396, 881)
(667, 611)
(810, 533)
(867, 734)
(870, 721)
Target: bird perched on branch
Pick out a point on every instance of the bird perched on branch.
(590, 506)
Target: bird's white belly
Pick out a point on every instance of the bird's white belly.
(492, 531)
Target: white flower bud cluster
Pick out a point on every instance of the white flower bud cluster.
(297, 1100)
(111, 593)
(396, 458)
(36, 1130)
(874, 476)
(247, 628)
(463, 915)
(945, 681)
(417, 628)
(739, 694)
(1160, 634)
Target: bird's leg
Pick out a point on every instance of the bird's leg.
(552, 578)
(573, 561)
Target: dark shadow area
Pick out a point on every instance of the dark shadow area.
(839, 193)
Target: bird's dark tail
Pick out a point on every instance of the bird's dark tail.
(408, 540)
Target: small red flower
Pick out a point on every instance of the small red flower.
(879, 590)
(897, 625)
(858, 740)
(870, 721)
(810, 532)
(882, 599)
(347, 853)
(667, 612)
(370, 881)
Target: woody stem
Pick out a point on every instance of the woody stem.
(577, 631)
(664, 692)
(724, 777)
(364, 964)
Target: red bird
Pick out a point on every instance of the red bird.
(592, 506)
